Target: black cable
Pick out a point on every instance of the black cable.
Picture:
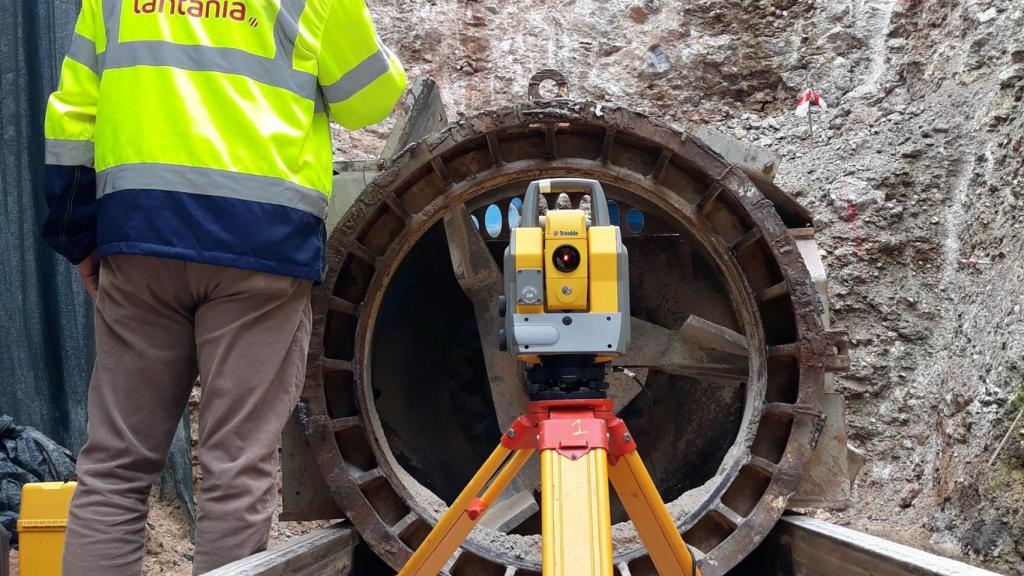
(650, 406)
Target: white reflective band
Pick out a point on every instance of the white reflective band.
(211, 182)
(358, 78)
(286, 28)
(111, 20)
(210, 59)
(83, 51)
(69, 152)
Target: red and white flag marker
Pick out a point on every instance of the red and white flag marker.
(803, 106)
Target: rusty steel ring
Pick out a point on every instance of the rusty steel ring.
(733, 223)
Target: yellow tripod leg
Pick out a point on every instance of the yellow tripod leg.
(653, 523)
(457, 523)
(575, 518)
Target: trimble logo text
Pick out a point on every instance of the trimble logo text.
(232, 9)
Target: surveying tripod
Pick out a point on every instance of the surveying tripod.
(582, 446)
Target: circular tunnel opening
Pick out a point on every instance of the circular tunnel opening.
(430, 381)
(720, 312)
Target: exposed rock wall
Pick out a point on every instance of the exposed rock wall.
(915, 173)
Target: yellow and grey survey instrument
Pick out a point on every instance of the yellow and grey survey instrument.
(566, 308)
(566, 280)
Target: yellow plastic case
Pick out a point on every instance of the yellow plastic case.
(41, 526)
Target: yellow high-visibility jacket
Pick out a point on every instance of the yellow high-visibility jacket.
(198, 129)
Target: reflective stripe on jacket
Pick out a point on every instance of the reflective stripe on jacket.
(198, 129)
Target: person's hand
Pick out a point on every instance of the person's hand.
(89, 270)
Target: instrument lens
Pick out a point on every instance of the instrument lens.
(566, 258)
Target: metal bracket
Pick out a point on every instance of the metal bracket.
(533, 90)
(830, 352)
(837, 357)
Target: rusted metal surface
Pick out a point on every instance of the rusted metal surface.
(390, 318)
(481, 280)
(750, 158)
(802, 546)
(422, 113)
(305, 495)
(827, 481)
(828, 475)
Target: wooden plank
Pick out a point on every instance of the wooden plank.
(324, 552)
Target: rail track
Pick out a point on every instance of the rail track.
(797, 546)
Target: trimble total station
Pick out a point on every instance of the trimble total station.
(567, 284)
(566, 308)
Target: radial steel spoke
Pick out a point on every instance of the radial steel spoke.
(480, 279)
(710, 335)
(688, 350)
(511, 510)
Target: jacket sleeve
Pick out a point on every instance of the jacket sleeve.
(360, 78)
(69, 176)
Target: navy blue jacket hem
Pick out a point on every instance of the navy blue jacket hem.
(214, 258)
(212, 230)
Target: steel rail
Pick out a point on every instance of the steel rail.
(797, 546)
(324, 552)
(803, 546)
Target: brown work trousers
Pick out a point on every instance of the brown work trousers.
(159, 324)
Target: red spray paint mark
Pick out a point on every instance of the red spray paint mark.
(858, 245)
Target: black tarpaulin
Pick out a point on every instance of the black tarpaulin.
(46, 346)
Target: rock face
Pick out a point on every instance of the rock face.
(915, 172)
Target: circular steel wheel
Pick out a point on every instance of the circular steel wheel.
(406, 391)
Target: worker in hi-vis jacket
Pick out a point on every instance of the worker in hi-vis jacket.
(188, 170)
